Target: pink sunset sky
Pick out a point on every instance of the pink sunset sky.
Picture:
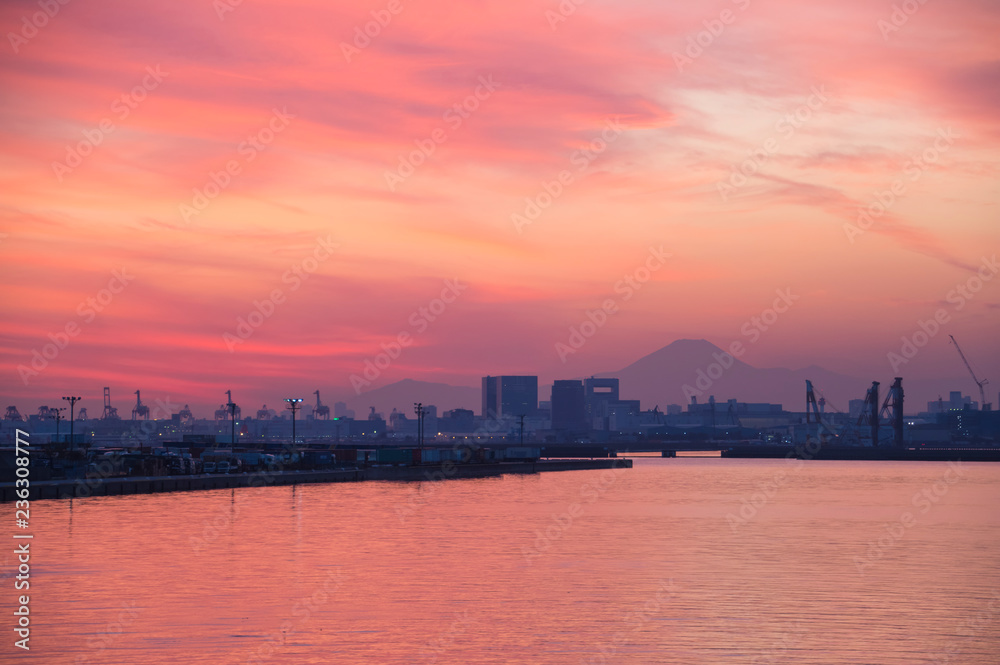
(211, 154)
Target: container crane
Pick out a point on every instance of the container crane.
(321, 410)
(140, 410)
(110, 412)
(984, 405)
(234, 409)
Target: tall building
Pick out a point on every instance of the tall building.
(511, 396)
(569, 406)
(599, 394)
(457, 420)
(956, 402)
(491, 406)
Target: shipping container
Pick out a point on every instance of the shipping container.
(317, 458)
(450, 455)
(402, 456)
(430, 456)
(345, 454)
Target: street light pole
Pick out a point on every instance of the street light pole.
(294, 404)
(232, 423)
(58, 417)
(418, 408)
(522, 428)
(72, 404)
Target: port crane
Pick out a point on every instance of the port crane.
(228, 409)
(657, 415)
(826, 423)
(733, 415)
(813, 410)
(140, 410)
(234, 409)
(321, 410)
(984, 405)
(891, 410)
(110, 412)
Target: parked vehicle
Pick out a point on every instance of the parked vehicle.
(222, 467)
(209, 467)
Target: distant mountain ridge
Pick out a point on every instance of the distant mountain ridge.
(696, 367)
(670, 375)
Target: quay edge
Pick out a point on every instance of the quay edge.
(119, 486)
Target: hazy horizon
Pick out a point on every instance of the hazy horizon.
(250, 400)
(195, 203)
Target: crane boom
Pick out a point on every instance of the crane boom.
(982, 393)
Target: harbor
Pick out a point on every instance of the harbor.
(127, 485)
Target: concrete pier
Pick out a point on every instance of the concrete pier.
(82, 488)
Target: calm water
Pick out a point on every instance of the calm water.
(649, 565)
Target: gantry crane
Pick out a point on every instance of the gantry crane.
(984, 405)
(110, 412)
(140, 410)
(321, 410)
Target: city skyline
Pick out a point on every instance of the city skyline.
(340, 405)
(238, 213)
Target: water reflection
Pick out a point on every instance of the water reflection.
(637, 567)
